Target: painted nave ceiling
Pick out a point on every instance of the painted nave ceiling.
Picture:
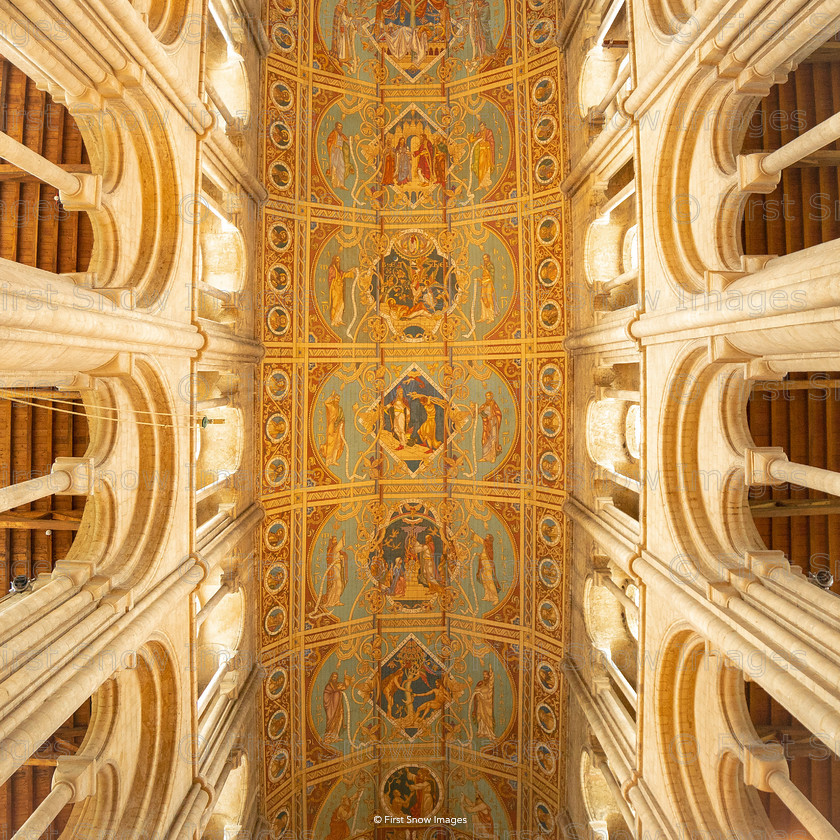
(414, 416)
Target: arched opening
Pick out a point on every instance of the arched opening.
(38, 426)
(602, 811)
(35, 228)
(814, 769)
(226, 82)
(800, 414)
(29, 786)
(611, 246)
(802, 210)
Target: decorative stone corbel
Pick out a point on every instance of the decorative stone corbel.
(79, 773)
(752, 177)
(757, 461)
(760, 762)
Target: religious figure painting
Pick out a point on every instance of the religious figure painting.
(411, 562)
(406, 691)
(412, 36)
(411, 790)
(408, 424)
(419, 155)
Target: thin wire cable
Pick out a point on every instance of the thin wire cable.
(94, 416)
(5, 394)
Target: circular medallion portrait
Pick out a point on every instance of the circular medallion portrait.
(550, 530)
(281, 175)
(549, 615)
(549, 572)
(279, 278)
(548, 272)
(550, 422)
(278, 765)
(275, 535)
(546, 760)
(546, 169)
(543, 91)
(547, 677)
(283, 37)
(275, 577)
(280, 134)
(541, 32)
(550, 467)
(550, 379)
(548, 230)
(550, 315)
(277, 385)
(276, 427)
(276, 471)
(280, 824)
(544, 129)
(279, 237)
(276, 682)
(275, 621)
(282, 96)
(278, 321)
(546, 718)
(277, 724)
(545, 821)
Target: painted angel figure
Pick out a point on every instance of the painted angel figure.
(333, 446)
(336, 282)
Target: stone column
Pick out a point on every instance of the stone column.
(77, 191)
(766, 768)
(34, 719)
(814, 712)
(769, 465)
(624, 774)
(69, 477)
(47, 322)
(73, 781)
(223, 346)
(599, 760)
(219, 547)
(229, 584)
(618, 550)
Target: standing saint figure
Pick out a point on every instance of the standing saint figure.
(480, 34)
(343, 35)
(336, 279)
(333, 446)
(336, 572)
(482, 817)
(334, 706)
(483, 156)
(491, 419)
(400, 412)
(486, 572)
(403, 162)
(482, 706)
(487, 284)
(338, 151)
(341, 817)
(425, 154)
(389, 162)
